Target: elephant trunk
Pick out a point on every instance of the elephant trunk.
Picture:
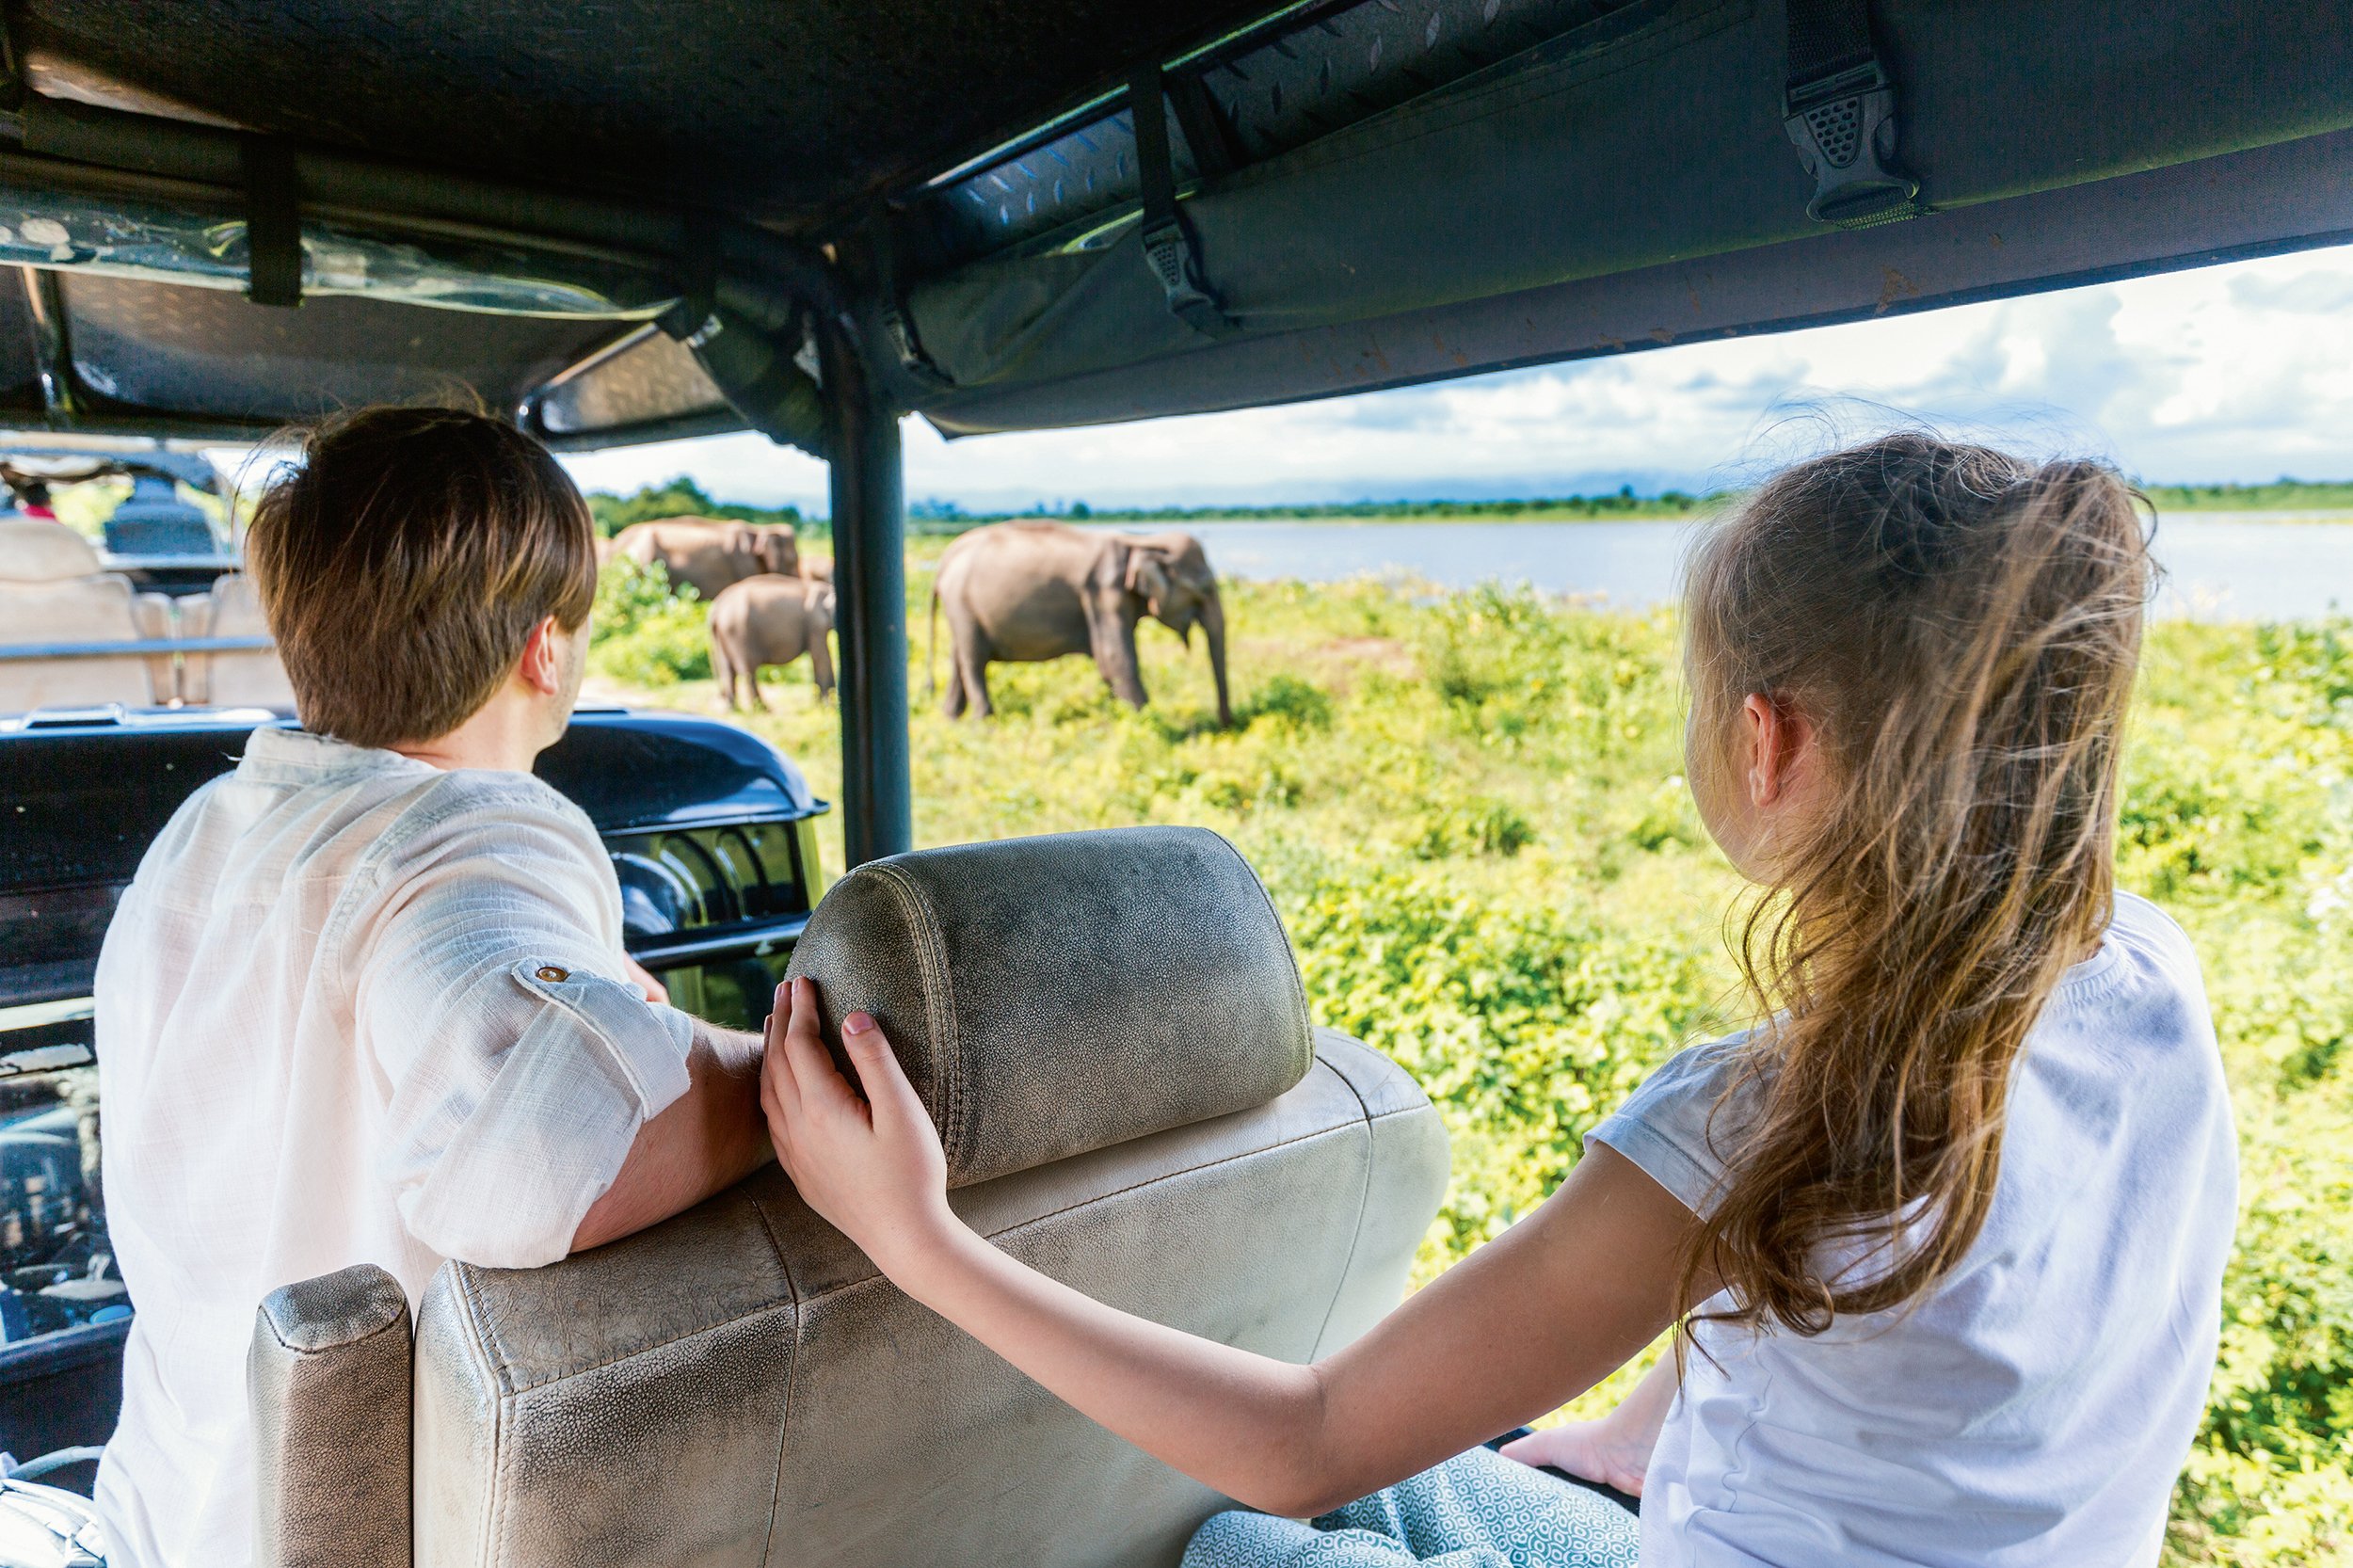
(1213, 633)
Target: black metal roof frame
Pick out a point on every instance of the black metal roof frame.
(809, 218)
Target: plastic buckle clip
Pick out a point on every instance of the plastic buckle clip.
(908, 349)
(1844, 130)
(1169, 251)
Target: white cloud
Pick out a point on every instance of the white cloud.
(2238, 372)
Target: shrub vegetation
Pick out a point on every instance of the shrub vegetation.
(1471, 814)
(682, 498)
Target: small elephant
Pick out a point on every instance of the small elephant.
(770, 620)
(1025, 591)
(709, 553)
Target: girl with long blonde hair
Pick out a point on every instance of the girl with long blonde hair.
(1944, 1230)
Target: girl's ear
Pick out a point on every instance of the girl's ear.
(1778, 741)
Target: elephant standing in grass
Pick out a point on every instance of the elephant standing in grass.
(1025, 591)
(770, 620)
(709, 553)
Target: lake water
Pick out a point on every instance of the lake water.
(2220, 565)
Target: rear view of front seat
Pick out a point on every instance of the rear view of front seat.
(247, 679)
(53, 590)
(1110, 1031)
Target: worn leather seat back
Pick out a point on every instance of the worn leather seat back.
(328, 1375)
(1109, 1030)
(53, 590)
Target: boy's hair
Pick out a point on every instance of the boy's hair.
(1962, 628)
(403, 561)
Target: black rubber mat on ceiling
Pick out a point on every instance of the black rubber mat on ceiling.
(209, 352)
(791, 108)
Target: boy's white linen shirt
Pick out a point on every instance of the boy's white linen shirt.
(352, 1009)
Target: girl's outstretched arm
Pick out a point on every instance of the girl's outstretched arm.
(1528, 1322)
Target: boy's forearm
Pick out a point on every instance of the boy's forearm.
(709, 1138)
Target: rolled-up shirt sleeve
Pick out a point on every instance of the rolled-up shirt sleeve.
(519, 1064)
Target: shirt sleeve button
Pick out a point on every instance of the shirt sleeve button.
(551, 973)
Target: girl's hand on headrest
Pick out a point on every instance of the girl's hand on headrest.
(870, 1163)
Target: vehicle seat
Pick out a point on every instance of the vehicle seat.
(1110, 1031)
(53, 590)
(257, 680)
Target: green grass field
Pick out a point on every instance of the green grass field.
(1471, 815)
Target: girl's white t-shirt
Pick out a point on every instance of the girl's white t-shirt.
(2035, 1407)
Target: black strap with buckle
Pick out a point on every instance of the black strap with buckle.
(1168, 243)
(273, 223)
(1839, 109)
(693, 319)
(890, 306)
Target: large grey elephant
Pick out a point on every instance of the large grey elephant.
(1025, 591)
(770, 620)
(709, 553)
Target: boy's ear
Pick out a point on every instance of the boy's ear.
(542, 665)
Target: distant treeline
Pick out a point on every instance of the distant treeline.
(946, 515)
(682, 497)
(2281, 495)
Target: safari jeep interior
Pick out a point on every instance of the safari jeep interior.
(809, 219)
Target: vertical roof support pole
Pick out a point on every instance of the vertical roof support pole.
(870, 599)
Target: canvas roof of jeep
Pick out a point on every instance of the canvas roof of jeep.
(640, 221)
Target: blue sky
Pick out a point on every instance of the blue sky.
(2242, 372)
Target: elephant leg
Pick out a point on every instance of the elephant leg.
(967, 666)
(751, 679)
(821, 667)
(973, 674)
(1121, 670)
(723, 669)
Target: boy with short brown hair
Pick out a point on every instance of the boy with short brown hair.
(366, 1000)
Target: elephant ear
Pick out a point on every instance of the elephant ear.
(1147, 574)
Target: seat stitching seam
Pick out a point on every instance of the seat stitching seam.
(1356, 1237)
(791, 1376)
(480, 1313)
(784, 1432)
(631, 1355)
(376, 1333)
(489, 1543)
(1401, 1111)
(938, 998)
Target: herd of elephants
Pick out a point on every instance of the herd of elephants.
(1014, 592)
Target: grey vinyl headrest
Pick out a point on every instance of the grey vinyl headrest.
(1055, 994)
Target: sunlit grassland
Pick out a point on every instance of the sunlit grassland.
(1470, 812)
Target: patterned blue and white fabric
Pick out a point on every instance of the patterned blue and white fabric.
(1477, 1510)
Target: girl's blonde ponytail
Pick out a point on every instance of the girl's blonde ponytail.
(1962, 628)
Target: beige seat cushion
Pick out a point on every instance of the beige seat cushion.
(738, 1388)
(258, 680)
(101, 608)
(35, 551)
